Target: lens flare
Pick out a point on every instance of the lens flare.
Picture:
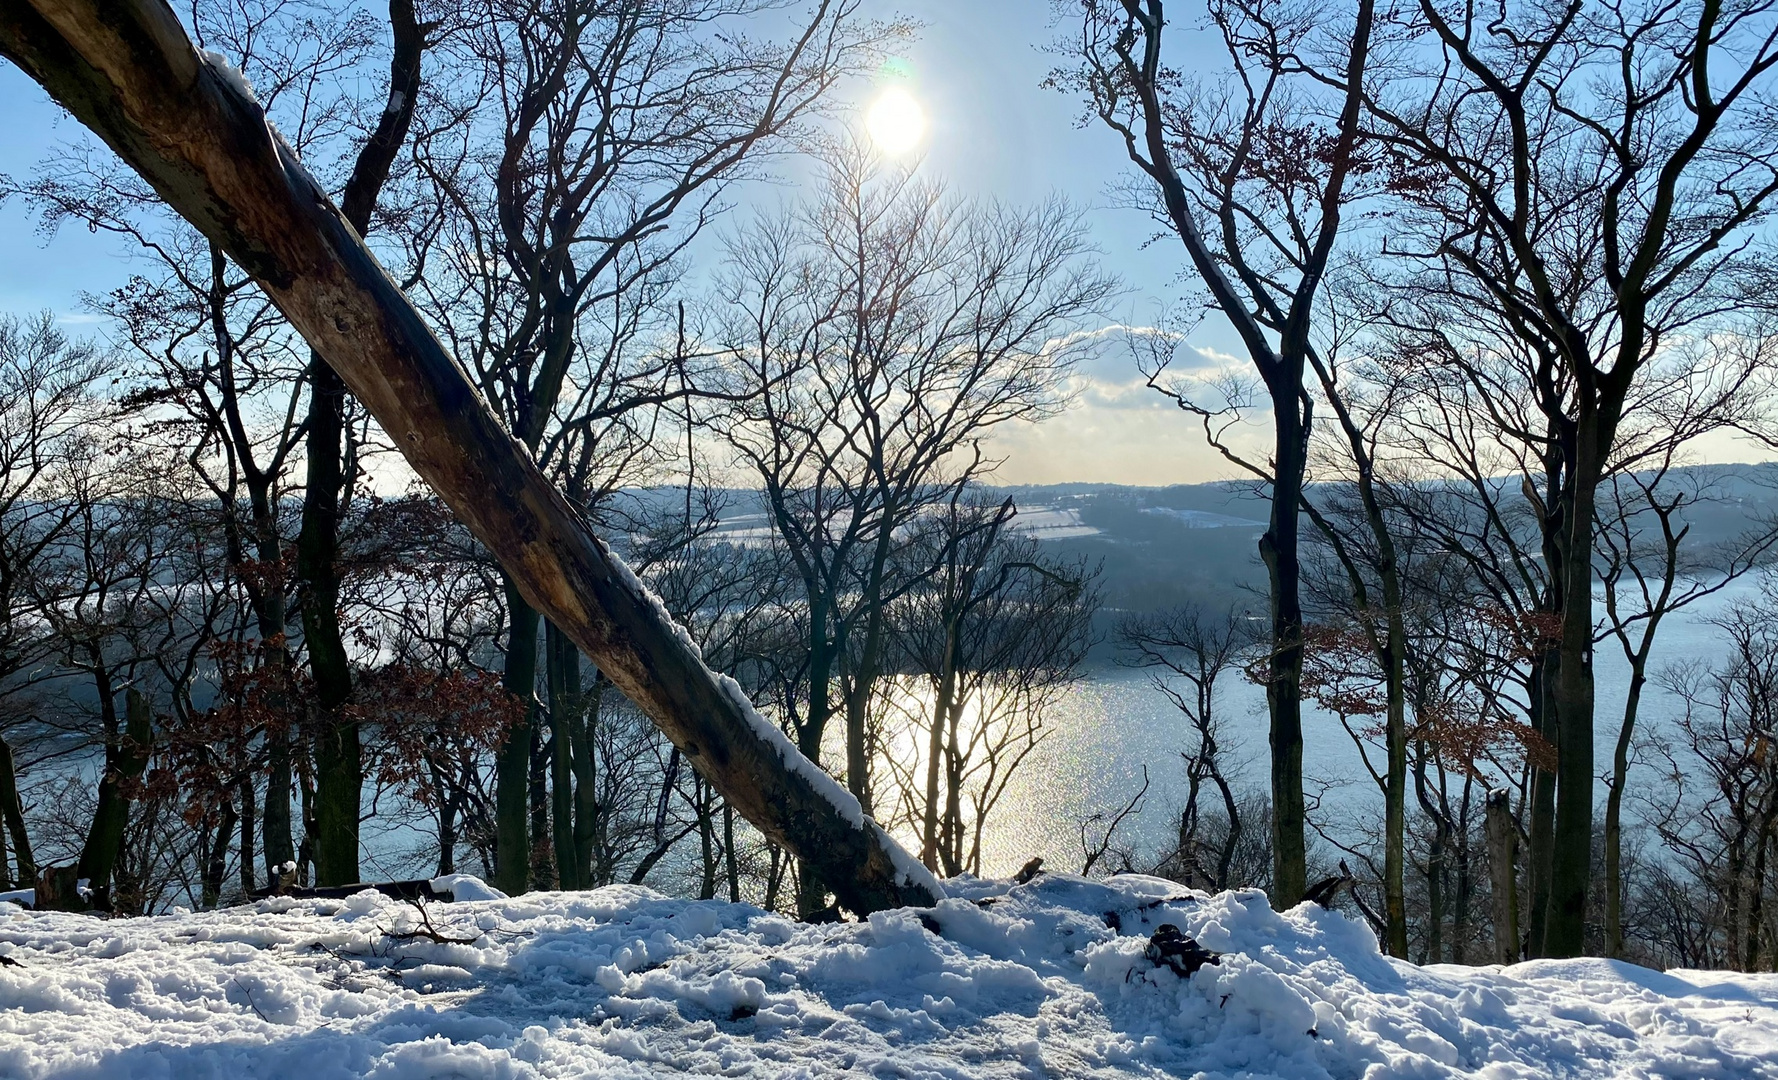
(895, 122)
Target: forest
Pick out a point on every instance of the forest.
(384, 524)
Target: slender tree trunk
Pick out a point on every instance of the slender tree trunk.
(512, 768)
(1756, 894)
(447, 835)
(543, 868)
(216, 857)
(339, 768)
(14, 812)
(248, 815)
(564, 712)
(1435, 862)
(125, 759)
(1460, 910)
(1278, 547)
(305, 791)
(1503, 853)
(706, 809)
(941, 708)
(1543, 806)
(1732, 898)
(811, 890)
(951, 833)
(1395, 787)
(730, 858)
(1614, 811)
(587, 831)
(864, 677)
(280, 849)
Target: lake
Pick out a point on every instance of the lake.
(1112, 725)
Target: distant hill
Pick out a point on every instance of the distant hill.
(1160, 546)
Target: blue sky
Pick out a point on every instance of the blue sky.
(993, 130)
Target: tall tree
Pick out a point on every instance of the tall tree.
(339, 769)
(879, 334)
(1269, 170)
(1594, 174)
(616, 129)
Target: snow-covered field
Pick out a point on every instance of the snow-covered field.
(998, 981)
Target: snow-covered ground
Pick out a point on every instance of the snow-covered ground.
(997, 981)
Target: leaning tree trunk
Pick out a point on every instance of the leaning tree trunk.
(129, 72)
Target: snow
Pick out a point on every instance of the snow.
(465, 887)
(1019, 981)
(1052, 523)
(827, 787)
(910, 870)
(646, 596)
(230, 74)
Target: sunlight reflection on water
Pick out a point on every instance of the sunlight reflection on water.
(1104, 731)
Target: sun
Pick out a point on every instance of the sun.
(895, 122)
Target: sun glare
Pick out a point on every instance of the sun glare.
(895, 122)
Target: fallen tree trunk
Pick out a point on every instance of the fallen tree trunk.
(191, 127)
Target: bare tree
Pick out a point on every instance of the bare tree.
(1593, 176)
(1648, 572)
(50, 400)
(985, 646)
(1185, 651)
(339, 771)
(617, 129)
(879, 334)
(1720, 810)
(1253, 172)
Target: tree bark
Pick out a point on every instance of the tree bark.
(125, 759)
(1503, 854)
(216, 857)
(339, 775)
(1571, 863)
(1542, 796)
(586, 796)
(512, 768)
(564, 709)
(14, 812)
(1278, 547)
(339, 767)
(128, 71)
(1614, 810)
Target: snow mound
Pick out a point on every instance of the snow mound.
(465, 887)
(1046, 979)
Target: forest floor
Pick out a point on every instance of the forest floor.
(1048, 979)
